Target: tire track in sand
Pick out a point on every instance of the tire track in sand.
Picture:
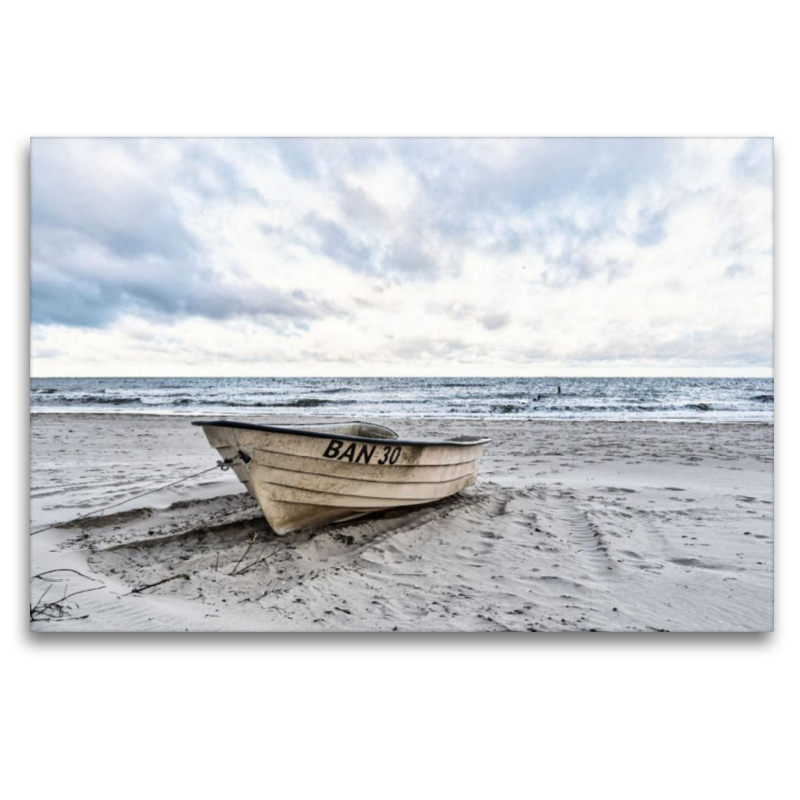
(562, 517)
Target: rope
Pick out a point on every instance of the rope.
(223, 465)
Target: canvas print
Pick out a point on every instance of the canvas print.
(401, 385)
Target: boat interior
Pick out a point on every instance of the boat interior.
(366, 430)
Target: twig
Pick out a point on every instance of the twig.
(39, 601)
(252, 542)
(262, 560)
(66, 597)
(158, 583)
(58, 609)
(63, 569)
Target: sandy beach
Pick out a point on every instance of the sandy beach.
(573, 526)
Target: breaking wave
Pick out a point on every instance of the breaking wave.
(94, 399)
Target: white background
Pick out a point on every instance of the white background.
(375, 716)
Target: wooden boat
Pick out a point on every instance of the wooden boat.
(311, 476)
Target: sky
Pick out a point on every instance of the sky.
(452, 257)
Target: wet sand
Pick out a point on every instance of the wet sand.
(573, 526)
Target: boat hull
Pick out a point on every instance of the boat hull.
(308, 478)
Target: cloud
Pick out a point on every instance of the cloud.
(107, 192)
(335, 242)
(422, 347)
(414, 259)
(722, 344)
(369, 252)
(495, 321)
(212, 177)
(467, 195)
(108, 237)
(653, 228)
(738, 271)
(79, 281)
(754, 161)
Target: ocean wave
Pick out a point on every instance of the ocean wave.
(476, 406)
(608, 408)
(305, 402)
(221, 403)
(115, 401)
(216, 402)
(506, 409)
(183, 402)
(707, 400)
(97, 399)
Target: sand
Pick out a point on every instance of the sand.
(573, 526)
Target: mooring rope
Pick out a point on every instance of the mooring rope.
(223, 465)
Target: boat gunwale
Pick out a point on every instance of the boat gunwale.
(251, 426)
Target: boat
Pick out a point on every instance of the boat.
(306, 477)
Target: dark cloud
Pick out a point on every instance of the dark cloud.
(410, 258)
(336, 242)
(107, 238)
(363, 248)
(124, 210)
(357, 207)
(495, 321)
(76, 286)
(77, 282)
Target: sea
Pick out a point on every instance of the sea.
(691, 399)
